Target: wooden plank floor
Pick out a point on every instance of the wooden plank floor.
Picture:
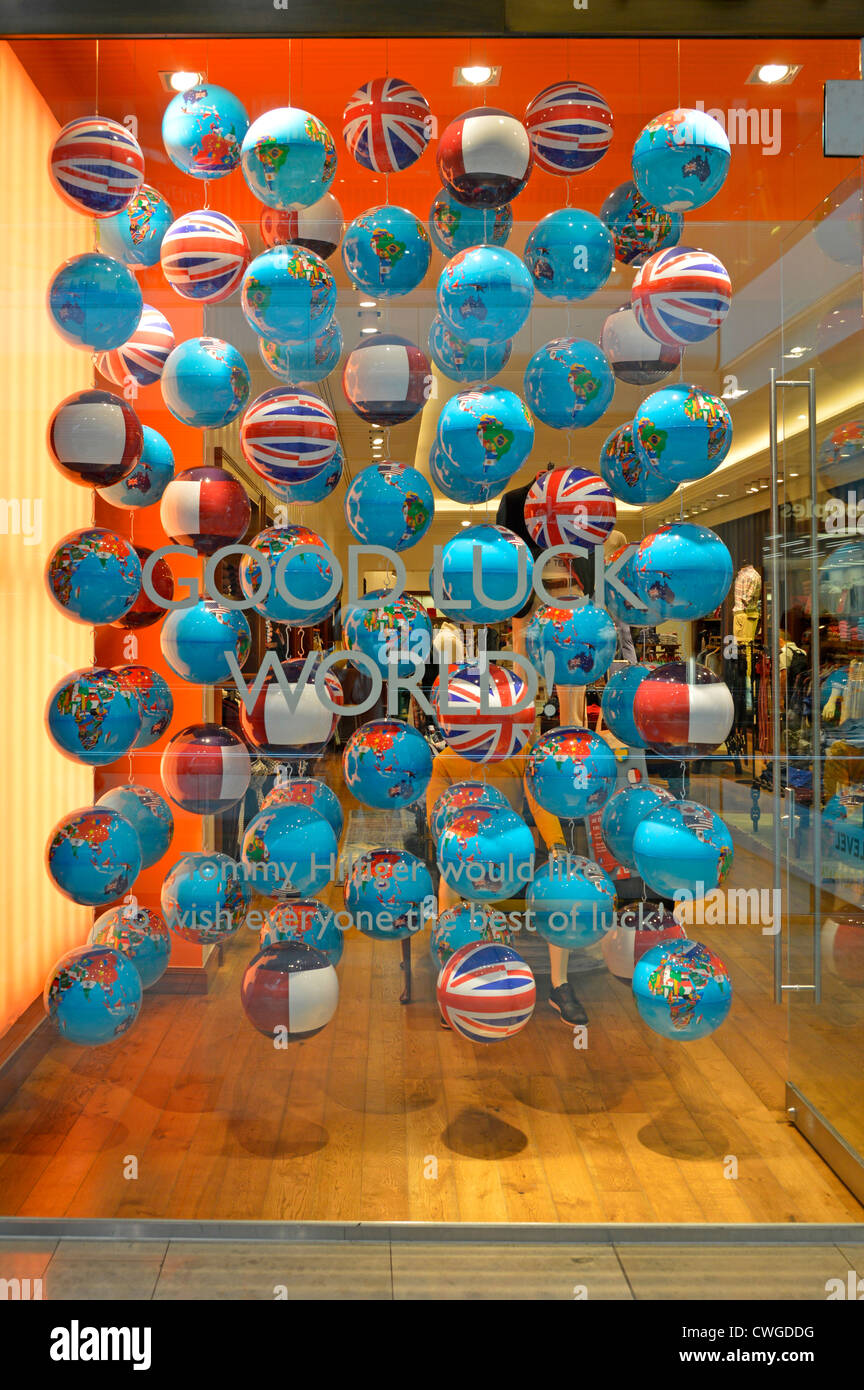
(386, 1117)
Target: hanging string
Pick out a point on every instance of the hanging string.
(290, 68)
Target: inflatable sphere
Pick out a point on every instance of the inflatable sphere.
(386, 251)
(387, 763)
(391, 633)
(683, 709)
(582, 642)
(622, 814)
(572, 902)
(632, 476)
(196, 641)
(303, 586)
(140, 935)
(484, 157)
(289, 850)
(288, 158)
(94, 302)
(634, 356)
(486, 992)
(288, 437)
(144, 611)
(682, 433)
(93, 856)
(570, 254)
(569, 383)
(457, 797)
(306, 920)
(93, 576)
(91, 718)
(567, 506)
(204, 256)
(571, 772)
(841, 454)
(638, 229)
(506, 568)
(639, 926)
(203, 130)
(466, 924)
(144, 486)
(616, 705)
(449, 480)
(387, 125)
(96, 166)
(620, 591)
(205, 898)
(149, 815)
(155, 701)
(134, 236)
(142, 359)
(682, 850)
(483, 736)
(308, 791)
(682, 990)
(289, 991)
(454, 227)
(389, 504)
(92, 995)
(680, 160)
(205, 508)
(570, 126)
(314, 489)
(485, 295)
(95, 439)
(681, 296)
(288, 294)
(468, 363)
(386, 379)
(205, 383)
(486, 853)
(297, 724)
(487, 435)
(304, 364)
(318, 227)
(683, 571)
(389, 894)
(206, 769)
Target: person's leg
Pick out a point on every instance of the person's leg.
(571, 705)
(561, 998)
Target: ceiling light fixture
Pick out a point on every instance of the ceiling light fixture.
(185, 81)
(774, 74)
(476, 75)
(796, 352)
(368, 303)
(368, 330)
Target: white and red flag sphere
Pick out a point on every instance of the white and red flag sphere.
(205, 508)
(205, 769)
(682, 708)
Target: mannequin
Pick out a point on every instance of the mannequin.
(613, 542)
(747, 608)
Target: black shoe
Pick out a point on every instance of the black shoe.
(565, 1003)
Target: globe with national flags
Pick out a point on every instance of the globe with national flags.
(205, 383)
(386, 251)
(459, 795)
(93, 575)
(389, 504)
(467, 363)
(93, 995)
(572, 902)
(205, 897)
(149, 815)
(387, 125)
(306, 920)
(93, 856)
(148, 480)
(387, 763)
(486, 434)
(571, 772)
(389, 894)
(134, 235)
(681, 159)
(506, 569)
(466, 924)
(91, 718)
(681, 295)
(485, 294)
(289, 850)
(196, 641)
(203, 130)
(622, 814)
(155, 701)
(302, 588)
(682, 433)
(476, 712)
(682, 850)
(486, 992)
(486, 853)
(638, 229)
(682, 990)
(390, 632)
(454, 227)
(140, 935)
(683, 571)
(581, 641)
(570, 125)
(632, 476)
(569, 383)
(303, 364)
(308, 791)
(570, 254)
(288, 158)
(288, 294)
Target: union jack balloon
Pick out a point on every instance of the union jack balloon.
(567, 506)
(486, 992)
(681, 295)
(204, 255)
(288, 437)
(96, 165)
(144, 355)
(481, 736)
(387, 124)
(570, 126)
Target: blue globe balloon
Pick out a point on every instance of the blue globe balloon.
(149, 815)
(487, 435)
(486, 853)
(196, 641)
(449, 480)
(389, 504)
(307, 576)
(289, 849)
(155, 701)
(93, 576)
(570, 255)
(92, 995)
(457, 797)
(306, 920)
(680, 160)
(485, 295)
(569, 383)
(682, 990)
(682, 850)
(638, 229)
(622, 814)
(386, 251)
(571, 772)
(149, 478)
(630, 476)
(472, 364)
(682, 571)
(203, 131)
(94, 302)
(134, 236)
(304, 363)
(841, 456)
(582, 642)
(93, 856)
(313, 489)
(466, 924)
(288, 295)
(308, 791)
(386, 764)
(205, 383)
(288, 158)
(205, 898)
(616, 704)
(91, 717)
(502, 556)
(399, 632)
(572, 902)
(140, 935)
(389, 894)
(682, 433)
(455, 227)
(637, 613)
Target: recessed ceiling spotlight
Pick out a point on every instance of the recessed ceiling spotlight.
(774, 74)
(476, 75)
(368, 303)
(181, 81)
(797, 352)
(368, 330)
(466, 523)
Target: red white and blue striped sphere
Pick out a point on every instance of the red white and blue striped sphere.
(205, 769)
(570, 126)
(142, 356)
(681, 295)
(96, 165)
(485, 157)
(387, 124)
(205, 508)
(288, 436)
(488, 737)
(386, 379)
(486, 992)
(569, 505)
(204, 255)
(318, 228)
